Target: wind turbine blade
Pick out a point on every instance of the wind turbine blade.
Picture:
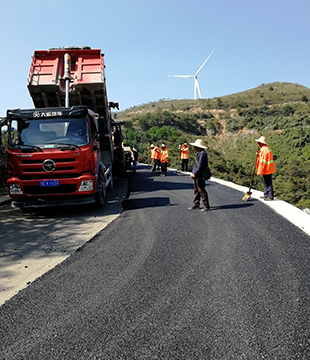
(183, 76)
(197, 89)
(204, 63)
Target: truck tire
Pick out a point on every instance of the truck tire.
(100, 195)
(110, 186)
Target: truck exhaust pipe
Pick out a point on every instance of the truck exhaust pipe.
(67, 76)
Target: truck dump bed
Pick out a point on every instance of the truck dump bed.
(46, 82)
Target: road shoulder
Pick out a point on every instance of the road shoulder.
(43, 241)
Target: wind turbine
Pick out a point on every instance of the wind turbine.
(196, 88)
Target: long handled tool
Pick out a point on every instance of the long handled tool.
(249, 193)
(179, 158)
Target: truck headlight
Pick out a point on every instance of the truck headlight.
(15, 189)
(86, 185)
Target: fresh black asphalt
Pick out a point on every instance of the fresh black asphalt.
(165, 282)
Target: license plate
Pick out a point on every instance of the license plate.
(49, 183)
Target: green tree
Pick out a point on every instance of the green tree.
(288, 110)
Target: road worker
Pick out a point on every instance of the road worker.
(164, 160)
(201, 164)
(152, 151)
(157, 155)
(265, 166)
(134, 158)
(184, 156)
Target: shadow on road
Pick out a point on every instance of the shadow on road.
(231, 206)
(134, 204)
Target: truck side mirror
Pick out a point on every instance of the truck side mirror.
(3, 121)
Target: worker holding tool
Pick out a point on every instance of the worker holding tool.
(164, 160)
(179, 158)
(152, 151)
(134, 159)
(157, 154)
(265, 166)
(201, 164)
(184, 156)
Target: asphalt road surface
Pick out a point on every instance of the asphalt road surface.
(165, 282)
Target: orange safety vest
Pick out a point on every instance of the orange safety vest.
(153, 154)
(157, 153)
(184, 152)
(264, 163)
(164, 156)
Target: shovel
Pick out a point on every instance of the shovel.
(249, 193)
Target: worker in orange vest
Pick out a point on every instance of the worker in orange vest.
(164, 160)
(265, 166)
(157, 157)
(184, 156)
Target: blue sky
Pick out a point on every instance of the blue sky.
(255, 41)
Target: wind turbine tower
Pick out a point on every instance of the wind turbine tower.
(196, 88)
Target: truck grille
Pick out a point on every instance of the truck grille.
(32, 169)
(50, 176)
(57, 161)
(66, 168)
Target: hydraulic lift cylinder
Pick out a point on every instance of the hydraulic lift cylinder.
(67, 75)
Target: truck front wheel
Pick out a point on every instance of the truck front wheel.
(100, 195)
(111, 184)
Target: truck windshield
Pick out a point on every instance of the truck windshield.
(51, 133)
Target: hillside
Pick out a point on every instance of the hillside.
(229, 125)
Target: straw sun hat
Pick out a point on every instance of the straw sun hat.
(261, 140)
(198, 143)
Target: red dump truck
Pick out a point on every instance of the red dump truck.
(66, 149)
